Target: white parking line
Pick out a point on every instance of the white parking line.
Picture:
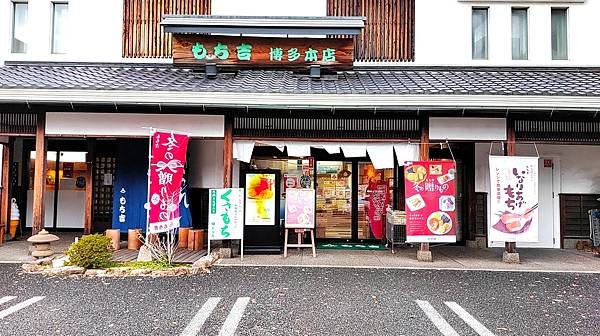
(4, 313)
(234, 317)
(193, 328)
(444, 327)
(6, 299)
(469, 319)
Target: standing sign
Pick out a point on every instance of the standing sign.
(167, 158)
(260, 199)
(300, 209)
(226, 216)
(514, 199)
(378, 195)
(430, 201)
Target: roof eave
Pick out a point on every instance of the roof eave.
(315, 101)
(317, 25)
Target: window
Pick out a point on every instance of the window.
(560, 49)
(519, 34)
(480, 33)
(19, 27)
(59, 27)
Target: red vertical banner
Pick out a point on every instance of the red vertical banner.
(167, 161)
(378, 195)
(430, 201)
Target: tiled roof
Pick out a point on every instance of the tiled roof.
(400, 81)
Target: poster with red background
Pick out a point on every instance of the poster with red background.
(430, 201)
(167, 160)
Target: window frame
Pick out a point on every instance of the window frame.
(52, 26)
(13, 23)
(512, 11)
(565, 10)
(487, 33)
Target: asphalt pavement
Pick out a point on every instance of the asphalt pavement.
(303, 301)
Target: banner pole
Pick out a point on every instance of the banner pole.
(148, 188)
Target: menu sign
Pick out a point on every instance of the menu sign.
(300, 209)
(260, 199)
(430, 201)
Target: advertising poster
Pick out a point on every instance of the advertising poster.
(290, 181)
(430, 201)
(513, 199)
(226, 215)
(300, 209)
(378, 196)
(260, 199)
(167, 160)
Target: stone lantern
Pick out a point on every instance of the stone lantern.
(41, 243)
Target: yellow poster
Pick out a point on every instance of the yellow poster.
(260, 199)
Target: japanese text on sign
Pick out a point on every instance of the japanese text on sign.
(226, 216)
(243, 52)
(167, 159)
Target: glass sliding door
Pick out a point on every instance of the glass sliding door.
(64, 192)
(72, 180)
(48, 189)
(375, 192)
(334, 199)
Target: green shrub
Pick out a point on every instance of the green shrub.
(93, 251)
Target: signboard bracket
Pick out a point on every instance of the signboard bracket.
(300, 232)
(241, 247)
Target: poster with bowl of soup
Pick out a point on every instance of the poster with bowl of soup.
(430, 201)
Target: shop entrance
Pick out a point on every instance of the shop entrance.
(351, 195)
(348, 193)
(334, 199)
(67, 176)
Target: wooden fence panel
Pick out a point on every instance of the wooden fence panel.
(389, 30)
(142, 34)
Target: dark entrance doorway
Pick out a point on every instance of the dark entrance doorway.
(464, 154)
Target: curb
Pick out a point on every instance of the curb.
(416, 268)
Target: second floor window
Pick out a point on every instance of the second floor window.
(559, 33)
(519, 34)
(479, 34)
(59, 27)
(19, 28)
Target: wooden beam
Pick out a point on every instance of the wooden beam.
(511, 150)
(39, 180)
(424, 156)
(228, 152)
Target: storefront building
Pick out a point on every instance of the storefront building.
(343, 126)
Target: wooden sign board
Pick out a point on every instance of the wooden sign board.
(257, 52)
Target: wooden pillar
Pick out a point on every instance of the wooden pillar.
(227, 168)
(228, 152)
(510, 150)
(39, 180)
(5, 206)
(89, 187)
(424, 156)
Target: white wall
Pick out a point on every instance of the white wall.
(132, 124)
(269, 7)
(443, 32)
(579, 168)
(95, 32)
(206, 163)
